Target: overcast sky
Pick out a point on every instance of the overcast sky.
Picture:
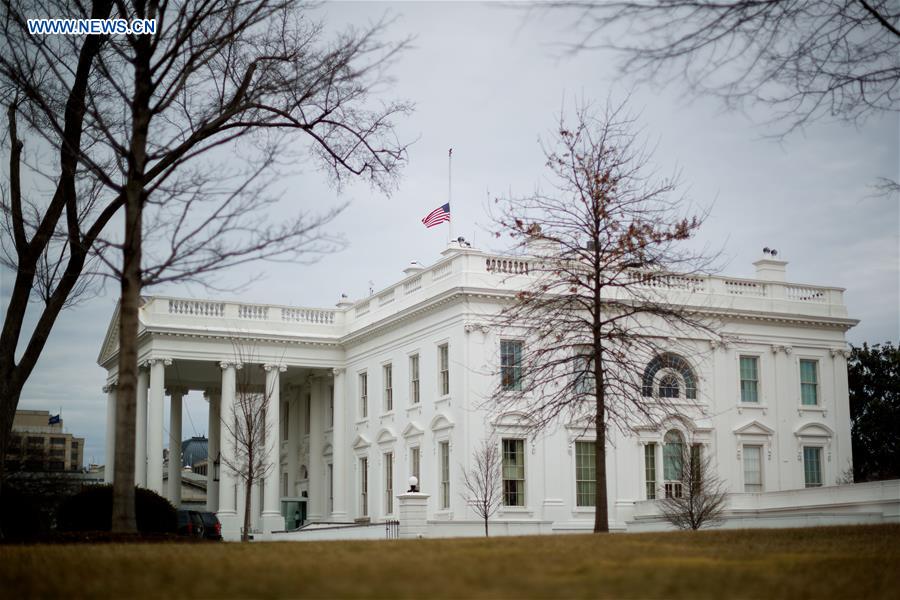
(488, 84)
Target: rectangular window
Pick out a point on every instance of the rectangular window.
(364, 486)
(585, 474)
(511, 365)
(752, 469)
(444, 369)
(650, 470)
(389, 483)
(812, 466)
(444, 450)
(513, 472)
(388, 372)
(284, 484)
(584, 373)
(414, 458)
(414, 379)
(287, 421)
(363, 395)
(809, 382)
(749, 379)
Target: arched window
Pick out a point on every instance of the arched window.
(677, 367)
(669, 387)
(673, 461)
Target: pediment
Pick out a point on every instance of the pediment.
(814, 430)
(386, 436)
(110, 345)
(328, 450)
(440, 421)
(412, 430)
(513, 418)
(361, 442)
(754, 428)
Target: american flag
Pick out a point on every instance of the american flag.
(437, 216)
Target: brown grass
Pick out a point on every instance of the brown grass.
(828, 562)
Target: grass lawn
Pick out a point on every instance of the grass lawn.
(833, 562)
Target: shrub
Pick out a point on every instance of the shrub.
(91, 510)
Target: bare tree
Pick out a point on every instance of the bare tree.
(141, 124)
(482, 480)
(699, 497)
(247, 428)
(807, 59)
(607, 278)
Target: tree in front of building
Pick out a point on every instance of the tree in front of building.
(874, 380)
(247, 428)
(157, 158)
(482, 479)
(605, 265)
(698, 496)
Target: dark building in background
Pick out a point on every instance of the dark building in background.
(40, 443)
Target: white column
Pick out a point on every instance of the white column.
(214, 397)
(339, 449)
(271, 510)
(293, 441)
(315, 506)
(155, 400)
(227, 513)
(109, 467)
(176, 395)
(140, 436)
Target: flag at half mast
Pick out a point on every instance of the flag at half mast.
(437, 216)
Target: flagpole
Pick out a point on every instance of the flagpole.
(450, 194)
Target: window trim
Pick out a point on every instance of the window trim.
(387, 387)
(388, 472)
(503, 479)
(362, 463)
(820, 454)
(817, 362)
(592, 443)
(762, 474)
(362, 384)
(759, 386)
(653, 448)
(516, 385)
(441, 347)
(444, 476)
(415, 382)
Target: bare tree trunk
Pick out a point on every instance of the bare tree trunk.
(601, 510)
(248, 499)
(486, 527)
(123, 515)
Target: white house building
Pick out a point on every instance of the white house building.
(362, 396)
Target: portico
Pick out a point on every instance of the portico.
(301, 395)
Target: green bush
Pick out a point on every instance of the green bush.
(91, 510)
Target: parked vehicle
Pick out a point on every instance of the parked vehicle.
(190, 523)
(212, 529)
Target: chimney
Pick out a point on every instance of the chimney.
(414, 267)
(770, 268)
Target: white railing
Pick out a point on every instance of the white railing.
(201, 308)
(805, 294)
(441, 271)
(669, 282)
(308, 315)
(507, 266)
(412, 285)
(386, 297)
(737, 287)
(363, 308)
(253, 311)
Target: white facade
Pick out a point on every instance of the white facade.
(436, 322)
